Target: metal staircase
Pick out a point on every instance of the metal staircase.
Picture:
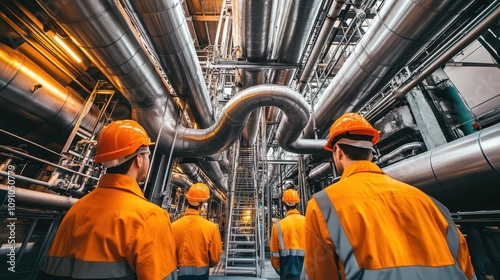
(242, 256)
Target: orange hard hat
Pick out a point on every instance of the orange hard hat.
(120, 139)
(197, 193)
(352, 124)
(291, 197)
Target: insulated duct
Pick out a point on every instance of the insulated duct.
(326, 30)
(28, 91)
(463, 174)
(405, 26)
(297, 21)
(166, 29)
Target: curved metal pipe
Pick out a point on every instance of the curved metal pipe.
(463, 174)
(166, 28)
(40, 199)
(406, 27)
(27, 90)
(406, 147)
(218, 137)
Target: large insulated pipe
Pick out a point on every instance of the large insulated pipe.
(43, 200)
(166, 28)
(252, 36)
(325, 32)
(228, 128)
(405, 26)
(463, 174)
(297, 21)
(33, 95)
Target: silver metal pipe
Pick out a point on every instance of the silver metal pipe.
(166, 28)
(463, 174)
(374, 61)
(46, 162)
(32, 94)
(464, 42)
(325, 32)
(401, 149)
(42, 200)
(24, 178)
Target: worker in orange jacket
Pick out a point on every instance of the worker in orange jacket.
(114, 232)
(370, 226)
(197, 240)
(288, 239)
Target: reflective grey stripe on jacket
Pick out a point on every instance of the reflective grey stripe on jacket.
(283, 252)
(76, 268)
(191, 270)
(344, 250)
(171, 276)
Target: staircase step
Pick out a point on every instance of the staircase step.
(242, 260)
(238, 250)
(242, 242)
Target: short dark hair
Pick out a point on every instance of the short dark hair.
(288, 207)
(122, 168)
(355, 153)
(193, 207)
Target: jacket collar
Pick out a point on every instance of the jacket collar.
(292, 212)
(191, 212)
(121, 182)
(360, 166)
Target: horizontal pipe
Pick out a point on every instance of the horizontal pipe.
(25, 197)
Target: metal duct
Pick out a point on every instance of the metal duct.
(406, 27)
(192, 170)
(398, 151)
(198, 142)
(252, 38)
(463, 174)
(298, 19)
(325, 32)
(27, 90)
(166, 28)
(320, 172)
(251, 35)
(181, 180)
(43, 200)
(102, 33)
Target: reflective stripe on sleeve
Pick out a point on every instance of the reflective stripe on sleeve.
(191, 270)
(76, 268)
(275, 254)
(280, 236)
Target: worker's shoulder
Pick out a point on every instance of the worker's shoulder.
(144, 209)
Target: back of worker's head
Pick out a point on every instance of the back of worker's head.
(354, 135)
(197, 194)
(119, 143)
(290, 198)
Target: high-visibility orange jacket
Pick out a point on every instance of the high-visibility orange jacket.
(370, 226)
(113, 232)
(198, 244)
(287, 245)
